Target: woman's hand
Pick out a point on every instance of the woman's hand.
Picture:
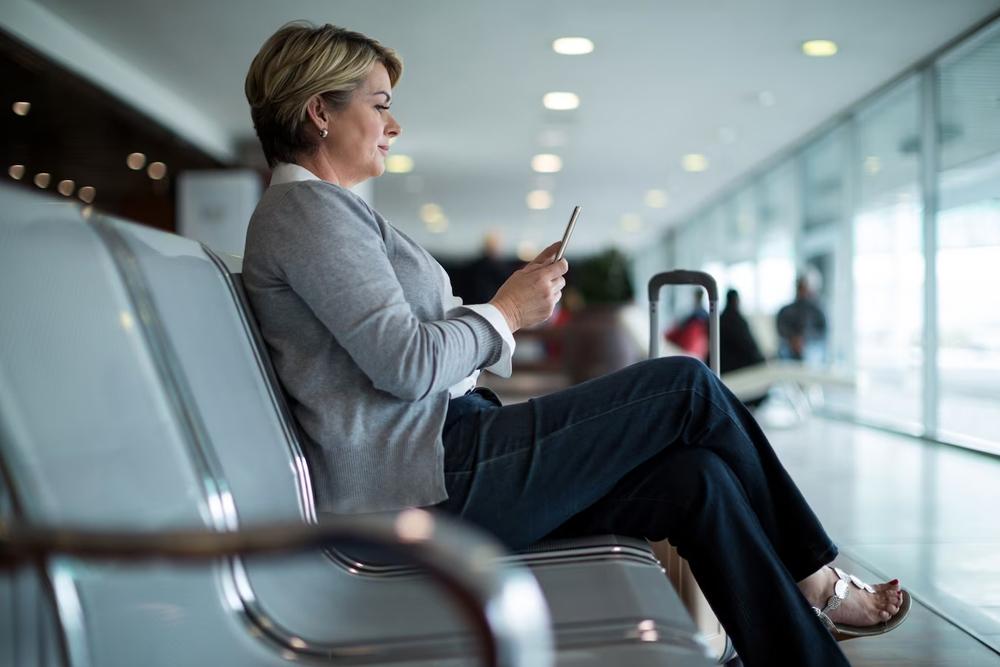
(530, 294)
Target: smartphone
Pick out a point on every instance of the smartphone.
(569, 232)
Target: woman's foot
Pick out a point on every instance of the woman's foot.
(863, 605)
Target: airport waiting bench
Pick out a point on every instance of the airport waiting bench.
(151, 472)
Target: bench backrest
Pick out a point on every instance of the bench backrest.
(131, 390)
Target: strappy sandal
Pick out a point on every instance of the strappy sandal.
(842, 631)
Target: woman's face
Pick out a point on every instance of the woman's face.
(359, 133)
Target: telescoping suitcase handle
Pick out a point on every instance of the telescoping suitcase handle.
(681, 277)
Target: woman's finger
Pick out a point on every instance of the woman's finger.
(544, 257)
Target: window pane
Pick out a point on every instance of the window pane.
(778, 221)
(968, 256)
(888, 260)
(823, 165)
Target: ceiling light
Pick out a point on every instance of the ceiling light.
(43, 179)
(16, 171)
(631, 222)
(399, 164)
(694, 162)
(21, 108)
(546, 163)
(819, 48)
(572, 46)
(527, 251)
(766, 98)
(135, 161)
(156, 170)
(656, 198)
(87, 193)
(561, 101)
(873, 164)
(66, 187)
(430, 213)
(539, 200)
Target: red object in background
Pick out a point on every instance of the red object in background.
(691, 336)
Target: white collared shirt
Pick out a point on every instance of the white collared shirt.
(288, 173)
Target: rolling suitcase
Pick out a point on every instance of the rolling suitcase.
(677, 568)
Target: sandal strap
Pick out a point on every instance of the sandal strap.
(853, 579)
(841, 591)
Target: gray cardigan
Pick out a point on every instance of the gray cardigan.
(353, 312)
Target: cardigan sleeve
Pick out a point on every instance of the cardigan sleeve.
(333, 256)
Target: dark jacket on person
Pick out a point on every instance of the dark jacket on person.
(802, 318)
(737, 346)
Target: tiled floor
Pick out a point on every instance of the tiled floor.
(928, 514)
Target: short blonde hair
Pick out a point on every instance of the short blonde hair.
(298, 62)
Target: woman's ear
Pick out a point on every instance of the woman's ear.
(318, 114)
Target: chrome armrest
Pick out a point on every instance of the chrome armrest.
(502, 600)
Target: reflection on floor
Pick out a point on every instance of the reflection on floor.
(928, 514)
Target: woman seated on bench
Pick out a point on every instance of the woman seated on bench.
(381, 363)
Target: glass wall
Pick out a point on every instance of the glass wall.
(888, 259)
(968, 252)
(894, 210)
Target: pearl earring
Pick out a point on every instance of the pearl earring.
(323, 133)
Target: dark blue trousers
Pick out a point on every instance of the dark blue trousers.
(658, 450)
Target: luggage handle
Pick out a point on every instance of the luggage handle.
(684, 277)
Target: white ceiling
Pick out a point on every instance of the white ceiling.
(665, 76)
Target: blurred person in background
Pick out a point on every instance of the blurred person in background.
(485, 274)
(691, 333)
(802, 325)
(737, 346)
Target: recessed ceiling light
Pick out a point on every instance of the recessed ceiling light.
(539, 200)
(87, 193)
(572, 46)
(42, 179)
(21, 108)
(430, 213)
(766, 98)
(16, 171)
(527, 250)
(631, 222)
(694, 162)
(819, 48)
(66, 187)
(399, 164)
(546, 163)
(156, 170)
(561, 101)
(656, 198)
(135, 161)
